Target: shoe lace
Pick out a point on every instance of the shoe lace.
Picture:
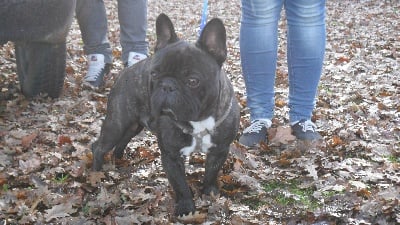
(257, 125)
(308, 126)
(94, 72)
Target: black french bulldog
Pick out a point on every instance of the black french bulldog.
(183, 96)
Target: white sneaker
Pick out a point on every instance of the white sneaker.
(135, 57)
(97, 68)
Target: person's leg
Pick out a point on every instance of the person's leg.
(305, 54)
(258, 49)
(132, 16)
(92, 20)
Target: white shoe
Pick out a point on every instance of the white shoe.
(135, 57)
(97, 68)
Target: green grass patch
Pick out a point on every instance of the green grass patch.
(61, 178)
(284, 194)
(5, 187)
(393, 159)
(289, 193)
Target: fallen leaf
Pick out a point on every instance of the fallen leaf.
(59, 211)
(62, 140)
(342, 59)
(26, 141)
(283, 136)
(335, 141)
(105, 199)
(3, 179)
(69, 70)
(194, 218)
(247, 180)
(358, 184)
(244, 158)
(95, 177)
(284, 162)
(311, 168)
(226, 179)
(129, 219)
(29, 165)
(280, 103)
(365, 193)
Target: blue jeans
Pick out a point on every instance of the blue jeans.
(305, 54)
(92, 19)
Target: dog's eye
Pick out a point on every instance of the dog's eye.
(192, 82)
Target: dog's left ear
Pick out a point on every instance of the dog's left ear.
(165, 32)
(213, 40)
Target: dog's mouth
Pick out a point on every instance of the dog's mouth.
(169, 112)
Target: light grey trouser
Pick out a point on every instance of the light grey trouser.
(92, 20)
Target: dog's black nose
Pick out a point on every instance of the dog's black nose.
(168, 86)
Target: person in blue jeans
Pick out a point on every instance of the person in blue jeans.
(92, 20)
(305, 54)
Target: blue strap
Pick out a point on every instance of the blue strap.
(204, 16)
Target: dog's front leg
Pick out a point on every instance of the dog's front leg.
(175, 169)
(171, 140)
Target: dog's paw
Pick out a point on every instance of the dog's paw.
(212, 191)
(184, 207)
(193, 218)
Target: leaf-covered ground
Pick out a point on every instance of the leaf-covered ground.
(351, 177)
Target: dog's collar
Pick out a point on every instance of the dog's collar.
(223, 117)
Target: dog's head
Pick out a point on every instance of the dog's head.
(185, 78)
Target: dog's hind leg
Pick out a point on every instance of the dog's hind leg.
(129, 134)
(113, 133)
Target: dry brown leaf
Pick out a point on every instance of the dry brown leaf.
(342, 59)
(95, 177)
(59, 211)
(237, 165)
(283, 136)
(194, 218)
(30, 165)
(104, 198)
(280, 103)
(26, 141)
(3, 179)
(335, 141)
(69, 70)
(63, 139)
(247, 180)
(227, 179)
(284, 162)
(365, 193)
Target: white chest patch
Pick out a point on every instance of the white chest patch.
(201, 140)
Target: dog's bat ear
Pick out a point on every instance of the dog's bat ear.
(213, 40)
(165, 31)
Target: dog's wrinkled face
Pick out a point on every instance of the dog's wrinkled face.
(185, 77)
(181, 85)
